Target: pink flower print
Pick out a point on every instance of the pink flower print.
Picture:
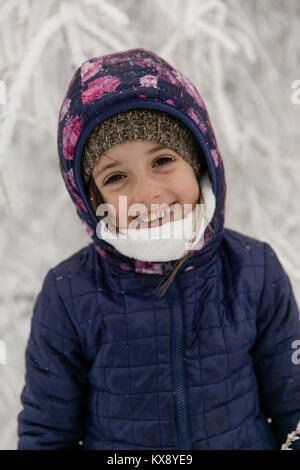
(189, 268)
(72, 180)
(145, 267)
(149, 81)
(89, 230)
(167, 75)
(68, 177)
(99, 87)
(124, 267)
(191, 89)
(64, 108)
(211, 131)
(89, 69)
(207, 238)
(71, 133)
(198, 119)
(141, 61)
(171, 102)
(79, 202)
(202, 126)
(101, 251)
(215, 155)
(113, 59)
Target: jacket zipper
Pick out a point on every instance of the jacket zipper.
(178, 368)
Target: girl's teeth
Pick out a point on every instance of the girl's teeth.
(154, 217)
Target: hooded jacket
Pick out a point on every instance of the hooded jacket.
(210, 365)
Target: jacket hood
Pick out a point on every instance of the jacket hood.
(136, 78)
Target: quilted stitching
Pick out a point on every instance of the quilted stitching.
(100, 359)
(118, 348)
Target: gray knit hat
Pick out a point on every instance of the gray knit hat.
(140, 124)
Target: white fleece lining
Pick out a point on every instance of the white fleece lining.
(146, 245)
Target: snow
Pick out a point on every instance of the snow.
(244, 59)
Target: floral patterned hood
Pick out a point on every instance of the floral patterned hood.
(136, 78)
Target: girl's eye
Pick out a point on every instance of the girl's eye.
(165, 158)
(111, 180)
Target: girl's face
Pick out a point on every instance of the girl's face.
(145, 172)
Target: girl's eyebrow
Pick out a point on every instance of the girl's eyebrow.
(117, 162)
(110, 165)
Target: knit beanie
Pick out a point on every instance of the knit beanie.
(141, 124)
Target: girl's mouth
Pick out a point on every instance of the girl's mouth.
(163, 217)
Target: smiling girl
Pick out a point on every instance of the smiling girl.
(152, 160)
(205, 365)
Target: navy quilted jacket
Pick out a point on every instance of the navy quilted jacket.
(210, 365)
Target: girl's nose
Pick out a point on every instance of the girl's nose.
(145, 191)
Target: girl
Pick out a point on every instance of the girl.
(121, 356)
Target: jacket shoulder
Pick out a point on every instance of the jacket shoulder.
(245, 263)
(72, 275)
(81, 259)
(250, 249)
(242, 250)
(239, 241)
(255, 260)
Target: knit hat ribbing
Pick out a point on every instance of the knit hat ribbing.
(140, 124)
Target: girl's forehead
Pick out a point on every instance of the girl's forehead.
(137, 144)
(127, 150)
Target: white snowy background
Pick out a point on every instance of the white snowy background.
(243, 56)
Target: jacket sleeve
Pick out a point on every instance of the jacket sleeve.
(276, 352)
(55, 390)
